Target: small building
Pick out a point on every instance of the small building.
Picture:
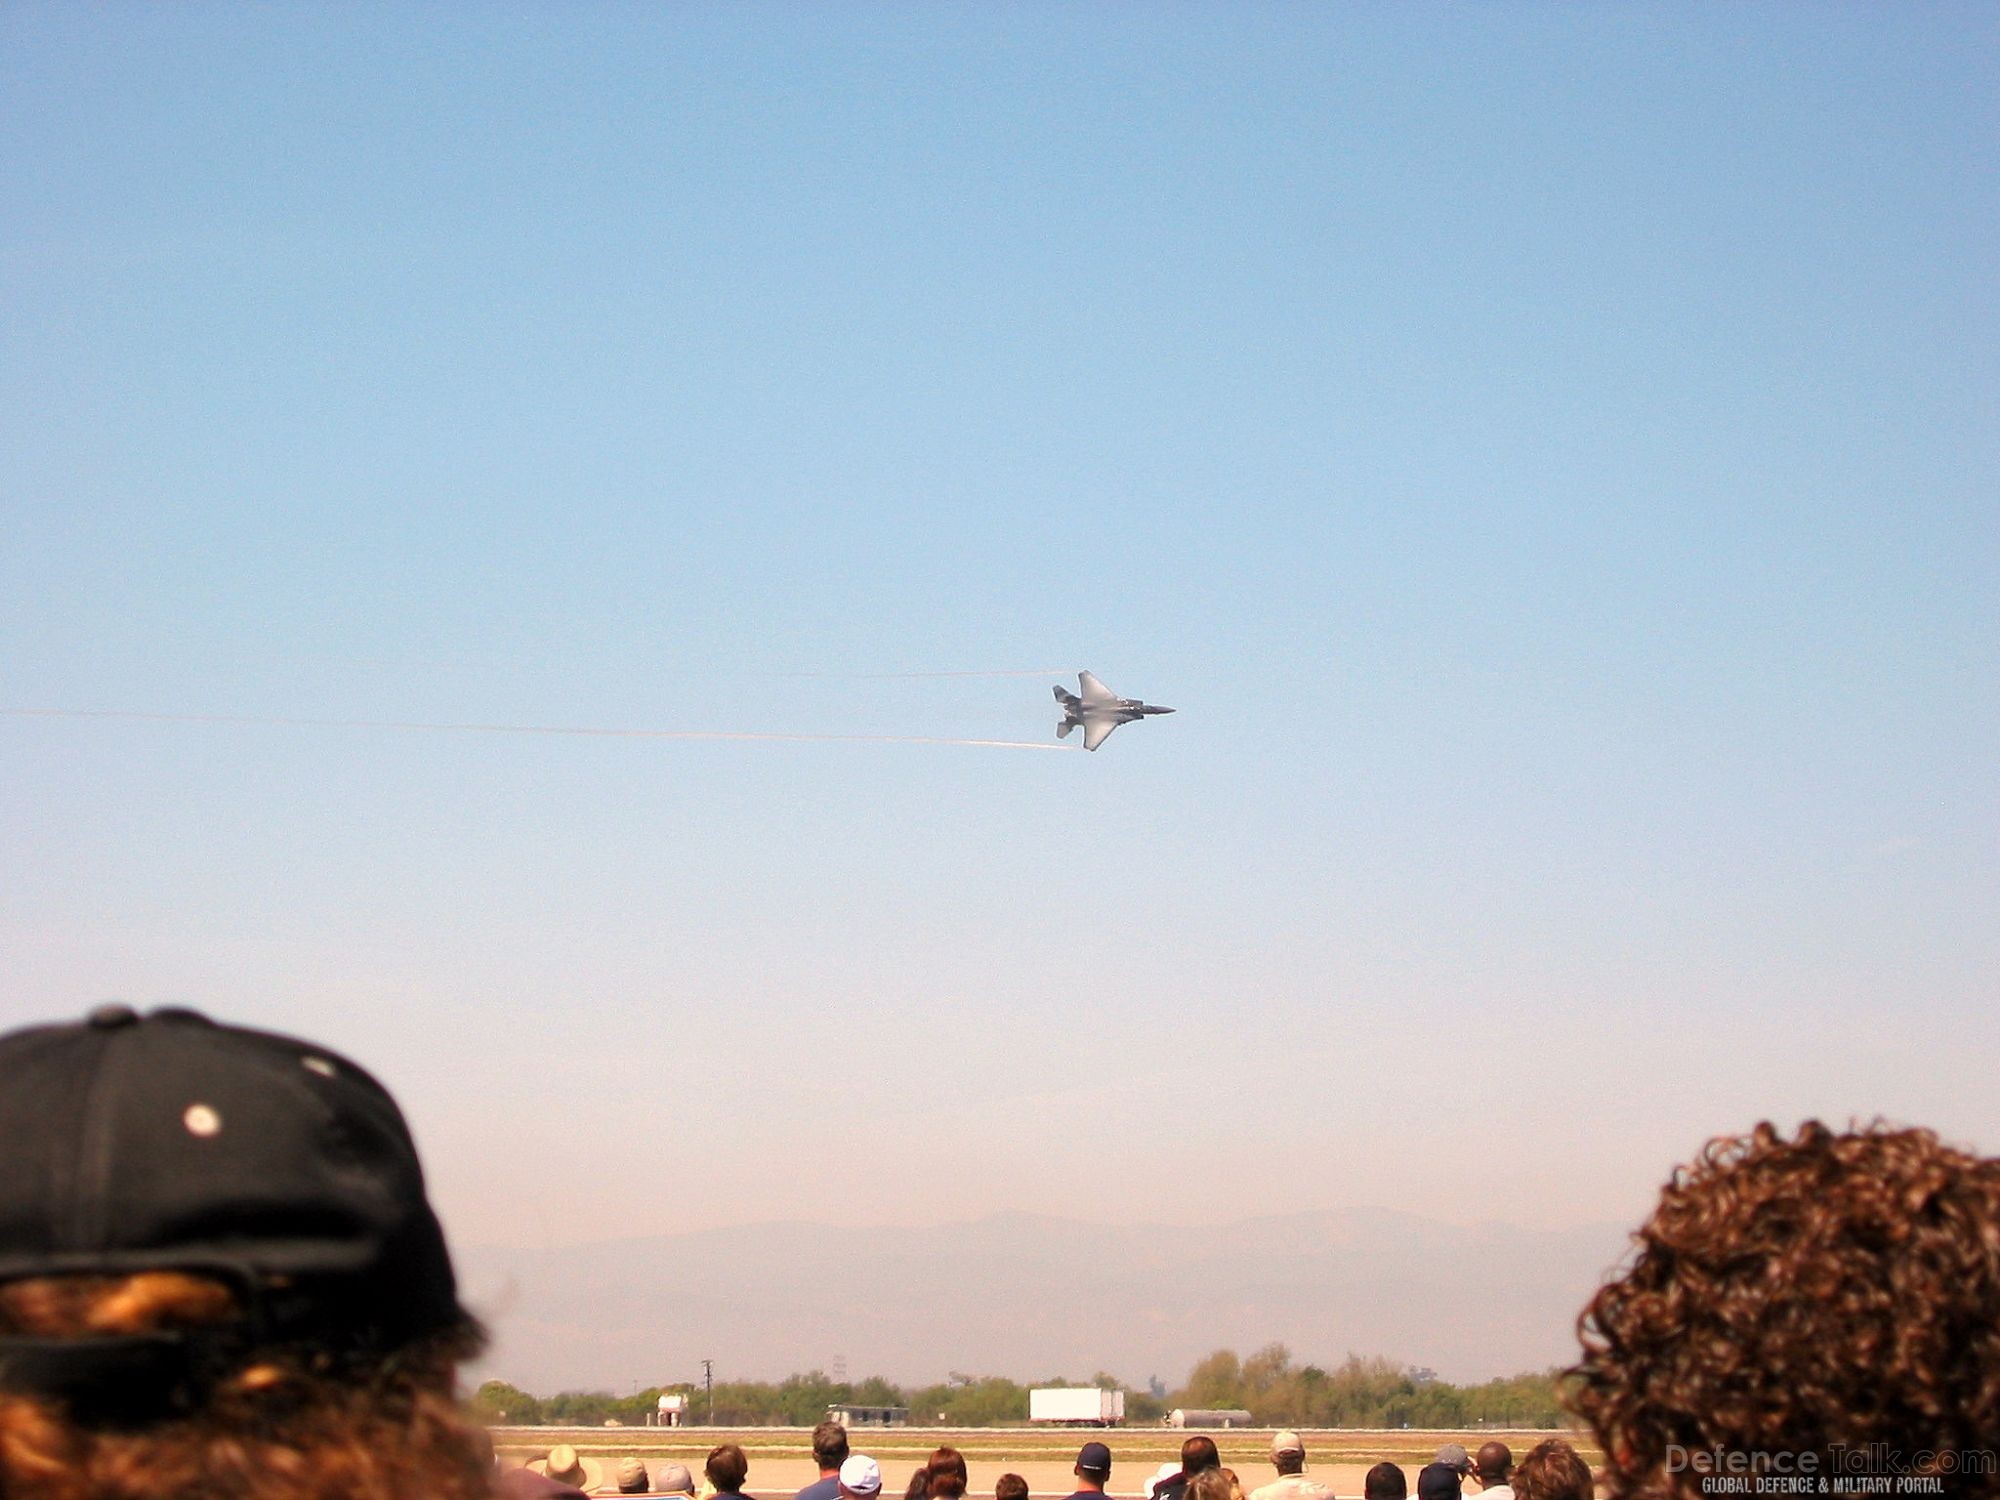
(673, 1410)
(849, 1415)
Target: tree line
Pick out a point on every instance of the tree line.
(1366, 1392)
(1358, 1392)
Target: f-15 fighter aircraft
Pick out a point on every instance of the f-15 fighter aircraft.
(1099, 711)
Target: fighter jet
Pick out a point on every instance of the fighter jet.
(1099, 711)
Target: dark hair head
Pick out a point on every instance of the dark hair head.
(727, 1468)
(1385, 1482)
(1553, 1471)
(1010, 1487)
(303, 1424)
(1493, 1461)
(946, 1460)
(1793, 1294)
(829, 1445)
(1197, 1454)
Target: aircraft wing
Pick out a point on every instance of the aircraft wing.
(1097, 731)
(1095, 691)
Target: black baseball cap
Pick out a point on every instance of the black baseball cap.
(1438, 1482)
(1094, 1458)
(169, 1142)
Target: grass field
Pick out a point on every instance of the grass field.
(780, 1462)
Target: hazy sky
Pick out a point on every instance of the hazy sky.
(1547, 454)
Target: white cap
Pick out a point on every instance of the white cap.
(1287, 1442)
(861, 1475)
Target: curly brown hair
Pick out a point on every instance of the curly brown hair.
(283, 1424)
(1788, 1296)
(1553, 1471)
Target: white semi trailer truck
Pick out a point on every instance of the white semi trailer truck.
(1071, 1406)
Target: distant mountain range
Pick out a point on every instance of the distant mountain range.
(1033, 1297)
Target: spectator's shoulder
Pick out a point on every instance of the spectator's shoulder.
(526, 1484)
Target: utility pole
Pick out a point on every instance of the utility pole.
(708, 1383)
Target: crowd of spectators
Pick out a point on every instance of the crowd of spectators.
(221, 1278)
(1199, 1472)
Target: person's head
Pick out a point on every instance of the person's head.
(1385, 1482)
(860, 1477)
(1093, 1466)
(1235, 1484)
(566, 1466)
(1553, 1471)
(632, 1477)
(1493, 1462)
(247, 1294)
(1198, 1454)
(727, 1468)
(1454, 1457)
(1788, 1294)
(1288, 1452)
(829, 1442)
(1010, 1487)
(947, 1460)
(945, 1474)
(673, 1479)
(1438, 1482)
(919, 1485)
(1209, 1484)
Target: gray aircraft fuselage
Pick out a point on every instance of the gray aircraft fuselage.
(1099, 711)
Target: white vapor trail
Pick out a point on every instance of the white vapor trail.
(274, 721)
(914, 676)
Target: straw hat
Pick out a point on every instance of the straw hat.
(566, 1466)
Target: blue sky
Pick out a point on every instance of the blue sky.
(1546, 454)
